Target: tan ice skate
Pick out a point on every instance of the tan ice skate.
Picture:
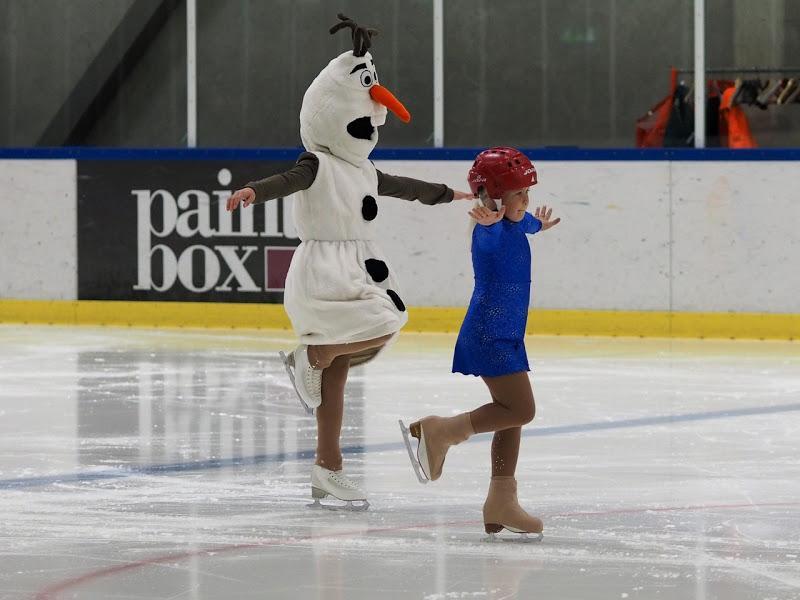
(434, 436)
(502, 511)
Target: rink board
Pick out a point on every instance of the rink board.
(646, 247)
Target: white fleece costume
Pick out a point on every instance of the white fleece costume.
(331, 294)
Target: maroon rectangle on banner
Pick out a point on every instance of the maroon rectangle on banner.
(276, 265)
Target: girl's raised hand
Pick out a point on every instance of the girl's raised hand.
(484, 216)
(543, 214)
(245, 195)
(463, 195)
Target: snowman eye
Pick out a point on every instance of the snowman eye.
(366, 78)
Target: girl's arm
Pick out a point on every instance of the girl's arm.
(542, 217)
(488, 229)
(411, 189)
(531, 224)
(299, 177)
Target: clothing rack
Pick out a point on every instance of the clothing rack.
(753, 91)
(754, 71)
(674, 122)
(785, 92)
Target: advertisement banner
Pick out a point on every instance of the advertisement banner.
(159, 230)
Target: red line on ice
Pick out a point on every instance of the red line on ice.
(51, 592)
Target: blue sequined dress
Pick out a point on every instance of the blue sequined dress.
(492, 337)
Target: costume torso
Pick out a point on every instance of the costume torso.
(339, 288)
(333, 207)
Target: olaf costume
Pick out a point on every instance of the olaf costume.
(340, 288)
(332, 294)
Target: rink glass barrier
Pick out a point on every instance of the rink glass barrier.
(661, 242)
(519, 73)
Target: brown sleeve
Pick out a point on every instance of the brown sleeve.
(413, 189)
(299, 177)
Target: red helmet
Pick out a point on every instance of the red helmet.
(500, 170)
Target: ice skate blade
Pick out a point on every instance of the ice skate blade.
(524, 538)
(288, 363)
(349, 506)
(422, 450)
(414, 462)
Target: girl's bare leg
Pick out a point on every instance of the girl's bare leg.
(505, 451)
(321, 356)
(330, 414)
(512, 407)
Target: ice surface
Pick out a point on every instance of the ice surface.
(175, 464)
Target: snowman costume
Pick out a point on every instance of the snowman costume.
(340, 288)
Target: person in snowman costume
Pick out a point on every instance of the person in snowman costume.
(341, 296)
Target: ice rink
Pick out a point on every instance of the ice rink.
(140, 464)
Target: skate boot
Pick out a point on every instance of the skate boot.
(434, 436)
(325, 482)
(502, 511)
(307, 380)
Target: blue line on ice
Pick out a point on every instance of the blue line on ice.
(221, 463)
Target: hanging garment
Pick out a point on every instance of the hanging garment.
(650, 128)
(679, 132)
(734, 122)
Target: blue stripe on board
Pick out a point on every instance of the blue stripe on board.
(565, 153)
(204, 465)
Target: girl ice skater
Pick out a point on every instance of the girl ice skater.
(491, 342)
(341, 296)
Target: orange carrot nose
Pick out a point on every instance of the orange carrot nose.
(383, 96)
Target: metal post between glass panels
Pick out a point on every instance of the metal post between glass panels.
(438, 73)
(191, 73)
(699, 74)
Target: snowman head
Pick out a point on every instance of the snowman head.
(345, 104)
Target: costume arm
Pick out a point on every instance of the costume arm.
(413, 189)
(299, 177)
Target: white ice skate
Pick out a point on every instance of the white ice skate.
(418, 469)
(307, 380)
(325, 482)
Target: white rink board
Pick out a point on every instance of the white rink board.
(635, 235)
(737, 236)
(614, 232)
(38, 229)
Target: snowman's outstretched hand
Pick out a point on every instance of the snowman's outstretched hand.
(463, 195)
(245, 195)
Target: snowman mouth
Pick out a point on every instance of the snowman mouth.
(361, 128)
